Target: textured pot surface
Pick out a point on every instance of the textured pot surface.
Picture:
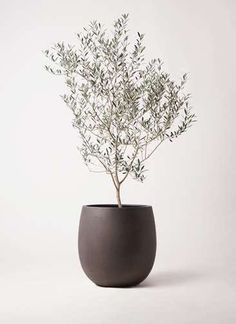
(117, 246)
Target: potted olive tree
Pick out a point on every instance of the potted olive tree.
(123, 110)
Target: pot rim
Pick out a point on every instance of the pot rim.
(115, 206)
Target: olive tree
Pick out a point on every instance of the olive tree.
(123, 107)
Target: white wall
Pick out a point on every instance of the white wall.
(43, 182)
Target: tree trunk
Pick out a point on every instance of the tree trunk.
(118, 196)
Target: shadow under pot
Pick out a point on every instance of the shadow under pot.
(117, 246)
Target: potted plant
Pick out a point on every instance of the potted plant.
(123, 110)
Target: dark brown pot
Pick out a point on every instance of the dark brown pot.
(117, 246)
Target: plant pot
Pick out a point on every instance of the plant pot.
(117, 246)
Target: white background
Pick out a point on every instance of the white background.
(43, 182)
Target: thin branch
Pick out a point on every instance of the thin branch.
(113, 180)
(148, 156)
(130, 166)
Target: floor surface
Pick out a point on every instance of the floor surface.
(62, 294)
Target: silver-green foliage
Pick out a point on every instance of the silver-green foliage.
(123, 108)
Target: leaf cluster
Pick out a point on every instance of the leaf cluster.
(123, 108)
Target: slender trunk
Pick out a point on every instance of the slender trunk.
(116, 183)
(118, 196)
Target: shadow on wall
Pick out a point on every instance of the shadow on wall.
(171, 278)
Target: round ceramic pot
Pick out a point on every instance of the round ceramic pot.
(117, 246)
